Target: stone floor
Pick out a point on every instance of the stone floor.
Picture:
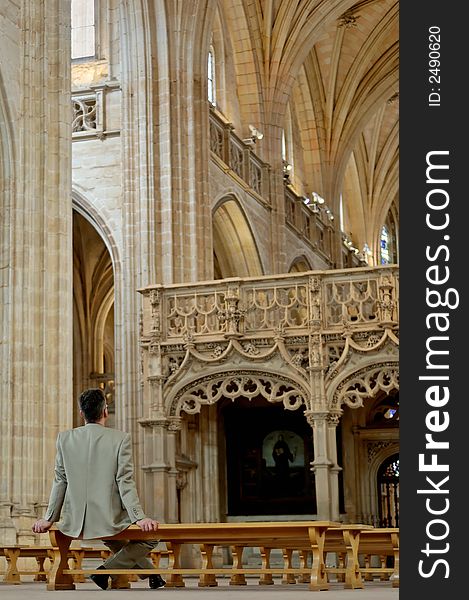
(375, 590)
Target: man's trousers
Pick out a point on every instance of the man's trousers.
(129, 554)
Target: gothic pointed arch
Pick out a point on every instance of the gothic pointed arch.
(234, 244)
(299, 265)
(94, 258)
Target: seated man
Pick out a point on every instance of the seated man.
(94, 493)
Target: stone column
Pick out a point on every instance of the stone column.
(334, 470)
(159, 465)
(324, 465)
(37, 364)
(321, 463)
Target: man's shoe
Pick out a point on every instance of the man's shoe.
(101, 581)
(156, 581)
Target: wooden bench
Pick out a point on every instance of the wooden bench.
(348, 542)
(381, 542)
(13, 553)
(287, 536)
(76, 555)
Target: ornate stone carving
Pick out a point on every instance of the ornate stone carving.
(216, 139)
(315, 354)
(386, 301)
(298, 358)
(365, 383)
(348, 20)
(333, 419)
(155, 300)
(84, 113)
(250, 348)
(217, 351)
(232, 314)
(375, 447)
(289, 328)
(174, 423)
(209, 389)
(174, 363)
(367, 339)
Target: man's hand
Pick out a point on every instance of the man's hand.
(147, 524)
(41, 526)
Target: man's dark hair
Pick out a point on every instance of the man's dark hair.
(92, 403)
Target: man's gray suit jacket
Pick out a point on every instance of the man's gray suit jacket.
(93, 490)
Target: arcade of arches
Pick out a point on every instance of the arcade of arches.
(199, 214)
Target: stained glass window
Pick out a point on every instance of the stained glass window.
(392, 470)
(385, 246)
(211, 77)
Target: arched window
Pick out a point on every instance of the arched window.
(83, 29)
(388, 492)
(211, 83)
(385, 246)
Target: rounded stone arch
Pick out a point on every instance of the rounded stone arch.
(232, 384)
(234, 245)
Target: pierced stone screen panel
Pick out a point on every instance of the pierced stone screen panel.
(351, 301)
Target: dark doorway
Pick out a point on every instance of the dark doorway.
(269, 451)
(388, 492)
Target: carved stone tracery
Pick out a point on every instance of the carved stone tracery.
(365, 384)
(234, 384)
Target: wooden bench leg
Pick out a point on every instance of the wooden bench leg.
(341, 556)
(368, 576)
(207, 579)
(288, 564)
(265, 578)
(383, 559)
(175, 580)
(58, 580)
(318, 580)
(304, 577)
(12, 575)
(40, 575)
(353, 578)
(77, 560)
(395, 547)
(238, 578)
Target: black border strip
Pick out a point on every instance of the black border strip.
(433, 267)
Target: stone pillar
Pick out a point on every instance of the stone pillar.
(332, 422)
(159, 465)
(37, 363)
(321, 463)
(324, 465)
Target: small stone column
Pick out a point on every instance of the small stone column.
(159, 496)
(321, 463)
(334, 470)
(324, 465)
